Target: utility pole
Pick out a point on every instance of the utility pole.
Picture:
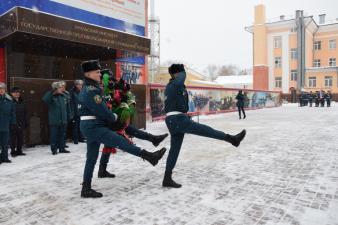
(154, 35)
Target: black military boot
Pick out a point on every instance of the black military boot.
(168, 181)
(88, 192)
(153, 157)
(157, 139)
(64, 151)
(235, 140)
(103, 172)
(14, 153)
(19, 152)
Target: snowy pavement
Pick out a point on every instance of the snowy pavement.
(285, 172)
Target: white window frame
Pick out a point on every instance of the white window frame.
(332, 44)
(332, 62)
(278, 62)
(316, 63)
(312, 82)
(277, 42)
(278, 82)
(293, 75)
(317, 45)
(293, 53)
(328, 81)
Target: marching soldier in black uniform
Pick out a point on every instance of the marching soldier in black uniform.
(97, 122)
(179, 123)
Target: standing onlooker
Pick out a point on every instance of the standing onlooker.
(74, 94)
(240, 104)
(7, 119)
(57, 116)
(317, 99)
(322, 99)
(328, 98)
(17, 131)
(311, 96)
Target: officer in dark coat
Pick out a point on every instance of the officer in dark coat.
(240, 104)
(96, 123)
(311, 97)
(17, 131)
(179, 123)
(328, 97)
(317, 99)
(7, 119)
(74, 94)
(322, 98)
(57, 117)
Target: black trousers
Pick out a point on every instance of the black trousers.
(241, 109)
(16, 138)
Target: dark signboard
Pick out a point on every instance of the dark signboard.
(47, 25)
(8, 23)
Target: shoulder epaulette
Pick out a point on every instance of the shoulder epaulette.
(8, 97)
(91, 88)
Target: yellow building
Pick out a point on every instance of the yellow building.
(294, 54)
(194, 78)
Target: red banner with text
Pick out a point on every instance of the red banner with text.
(2, 66)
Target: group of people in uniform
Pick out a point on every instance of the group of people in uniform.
(63, 112)
(103, 124)
(318, 98)
(101, 109)
(13, 122)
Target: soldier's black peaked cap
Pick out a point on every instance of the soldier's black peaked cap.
(90, 65)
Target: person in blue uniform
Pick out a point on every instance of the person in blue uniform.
(7, 120)
(179, 123)
(57, 117)
(96, 125)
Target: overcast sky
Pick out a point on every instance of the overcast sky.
(203, 32)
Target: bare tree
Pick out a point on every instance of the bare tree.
(227, 70)
(211, 71)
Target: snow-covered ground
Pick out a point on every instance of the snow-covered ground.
(285, 172)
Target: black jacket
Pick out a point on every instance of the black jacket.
(240, 100)
(21, 113)
(176, 95)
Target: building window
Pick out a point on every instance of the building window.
(294, 53)
(316, 63)
(312, 81)
(328, 81)
(294, 75)
(277, 42)
(278, 82)
(332, 44)
(293, 29)
(318, 45)
(332, 62)
(278, 62)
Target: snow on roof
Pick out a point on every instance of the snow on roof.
(235, 79)
(205, 82)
